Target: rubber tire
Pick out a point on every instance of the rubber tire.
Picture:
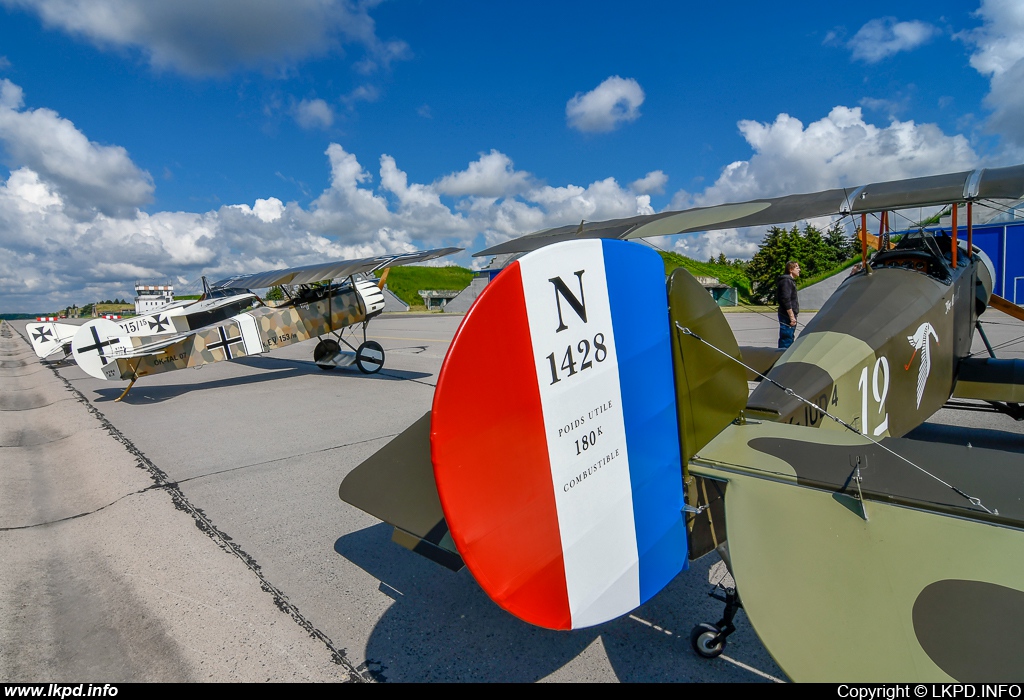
(700, 638)
(373, 367)
(325, 348)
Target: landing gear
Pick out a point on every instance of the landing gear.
(370, 357)
(325, 348)
(709, 640)
(706, 640)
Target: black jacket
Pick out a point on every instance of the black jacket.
(785, 294)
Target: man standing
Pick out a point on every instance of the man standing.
(789, 304)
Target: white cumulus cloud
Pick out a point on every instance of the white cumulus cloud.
(89, 175)
(492, 175)
(885, 36)
(652, 183)
(614, 102)
(71, 236)
(999, 55)
(839, 150)
(314, 114)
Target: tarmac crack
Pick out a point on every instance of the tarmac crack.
(82, 515)
(220, 538)
(283, 459)
(32, 408)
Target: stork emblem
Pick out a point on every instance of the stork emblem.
(919, 341)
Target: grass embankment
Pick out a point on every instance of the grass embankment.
(726, 274)
(405, 281)
(801, 283)
(735, 276)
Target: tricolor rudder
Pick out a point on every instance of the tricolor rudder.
(554, 435)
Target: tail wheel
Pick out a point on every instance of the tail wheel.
(370, 357)
(325, 348)
(706, 640)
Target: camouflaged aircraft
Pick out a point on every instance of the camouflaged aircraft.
(312, 310)
(861, 555)
(176, 317)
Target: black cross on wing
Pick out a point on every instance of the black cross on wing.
(42, 334)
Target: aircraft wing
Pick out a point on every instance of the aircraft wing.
(855, 564)
(338, 269)
(990, 379)
(993, 183)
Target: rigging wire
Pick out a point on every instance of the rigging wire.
(789, 392)
(1004, 344)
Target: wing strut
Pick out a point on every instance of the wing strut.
(1006, 306)
(127, 389)
(135, 376)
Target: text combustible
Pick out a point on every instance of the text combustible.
(590, 471)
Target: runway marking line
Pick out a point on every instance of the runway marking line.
(722, 656)
(426, 340)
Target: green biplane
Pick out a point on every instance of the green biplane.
(861, 555)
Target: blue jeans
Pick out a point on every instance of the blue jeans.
(786, 334)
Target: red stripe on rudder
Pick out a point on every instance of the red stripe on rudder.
(491, 459)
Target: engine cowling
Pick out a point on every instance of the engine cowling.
(371, 296)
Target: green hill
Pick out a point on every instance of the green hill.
(732, 275)
(405, 280)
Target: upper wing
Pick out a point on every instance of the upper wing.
(994, 183)
(338, 269)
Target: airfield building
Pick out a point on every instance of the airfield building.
(150, 297)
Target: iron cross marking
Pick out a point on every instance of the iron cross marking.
(99, 345)
(42, 334)
(158, 323)
(225, 342)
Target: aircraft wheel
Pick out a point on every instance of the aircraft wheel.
(702, 640)
(325, 348)
(370, 357)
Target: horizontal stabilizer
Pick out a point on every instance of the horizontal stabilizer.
(48, 338)
(397, 485)
(990, 379)
(759, 358)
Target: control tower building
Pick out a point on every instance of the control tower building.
(150, 297)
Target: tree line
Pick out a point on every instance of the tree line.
(817, 252)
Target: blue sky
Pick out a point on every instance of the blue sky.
(157, 141)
